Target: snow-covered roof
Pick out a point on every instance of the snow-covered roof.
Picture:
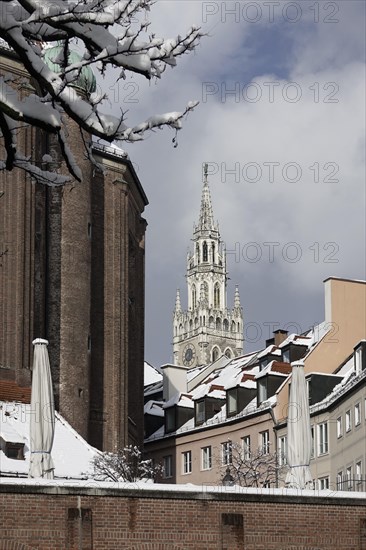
(111, 149)
(151, 374)
(297, 340)
(349, 380)
(154, 408)
(181, 400)
(275, 368)
(71, 453)
(272, 350)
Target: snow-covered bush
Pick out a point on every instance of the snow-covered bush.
(126, 464)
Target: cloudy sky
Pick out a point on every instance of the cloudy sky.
(281, 123)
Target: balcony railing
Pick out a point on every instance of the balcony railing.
(352, 484)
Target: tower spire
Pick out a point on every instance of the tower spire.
(206, 219)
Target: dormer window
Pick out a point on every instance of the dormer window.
(286, 356)
(206, 408)
(12, 450)
(263, 364)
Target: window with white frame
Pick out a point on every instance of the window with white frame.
(246, 447)
(206, 458)
(323, 438)
(357, 414)
(339, 481)
(323, 483)
(227, 453)
(339, 426)
(358, 471)
(312, 442)
(187, 462)
(282, 450)
(348, 421)
(167, 466)
(349, 477)
(264, 442)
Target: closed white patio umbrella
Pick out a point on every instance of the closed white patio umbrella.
(298, 431)
(42, 422)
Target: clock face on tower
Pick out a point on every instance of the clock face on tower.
(189, 354)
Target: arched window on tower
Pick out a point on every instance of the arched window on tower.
(213, 253)
(215, 353)
(217, 296)
(198, 253)
(204, 252)
(194, 297)
(226, 325)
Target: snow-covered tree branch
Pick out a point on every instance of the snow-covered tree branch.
(254, 468)
(125, 465)
(81, 35)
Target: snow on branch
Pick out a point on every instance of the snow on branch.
(83, 36)
(126, 464)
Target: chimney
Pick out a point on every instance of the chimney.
(174, 380)
(279, 336)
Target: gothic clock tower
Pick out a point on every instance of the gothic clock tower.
(208, 329)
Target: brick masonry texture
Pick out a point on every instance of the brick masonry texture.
(58, 518)
(72, 271)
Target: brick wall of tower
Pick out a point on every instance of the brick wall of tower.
(73, 273)
(106, 519)
(75, 292)
(117, 309)
(17, 195)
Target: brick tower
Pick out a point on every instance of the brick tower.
(72, 271)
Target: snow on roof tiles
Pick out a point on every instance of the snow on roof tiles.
(154, 408)
(151, 374)
(71, 453)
